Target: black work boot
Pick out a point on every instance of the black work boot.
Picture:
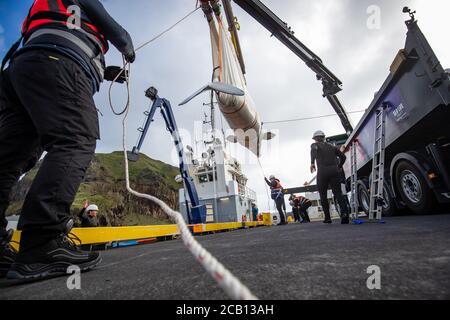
(52, 259)
(308, 220)
(7, 253)
(327, 219)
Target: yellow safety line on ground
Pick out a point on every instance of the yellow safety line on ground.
(114, 234)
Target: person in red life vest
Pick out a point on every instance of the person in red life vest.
(300, 206)
(46, 104)
(276, 191)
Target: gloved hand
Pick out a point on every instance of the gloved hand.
(130, 57)
(111, 73)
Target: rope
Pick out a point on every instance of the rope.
(137, 49)
(226, 280)
(311, 118)
(220, 47)
(267, 191)
(128, 89)
(168, 29)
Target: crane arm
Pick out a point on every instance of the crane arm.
(279, 29)
(197, 211)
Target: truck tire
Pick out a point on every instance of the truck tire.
(413, 189)
(389, 208)
(363, 195)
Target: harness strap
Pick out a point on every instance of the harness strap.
(74, 39)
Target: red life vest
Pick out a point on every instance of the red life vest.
(301, 201)
(54, 12)
(277, 185)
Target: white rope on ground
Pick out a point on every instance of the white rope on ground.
(224, 278)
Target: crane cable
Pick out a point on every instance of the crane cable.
(225, 279)
(267, 190)
(263, 171)
(311, 118)
(137, 49)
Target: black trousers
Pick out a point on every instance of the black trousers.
(281, 207)
(301, 213)
(304, 214)
(330, 176)
(46, 105)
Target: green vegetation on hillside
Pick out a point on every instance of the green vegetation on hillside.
(104, 185)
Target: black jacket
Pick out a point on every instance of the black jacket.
(327, 155)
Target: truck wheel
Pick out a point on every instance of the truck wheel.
(413, 188)
(363, 196)
(364, 199)
(389, 208)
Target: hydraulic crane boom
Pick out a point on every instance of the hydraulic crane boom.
(197, 212)
(331, 84)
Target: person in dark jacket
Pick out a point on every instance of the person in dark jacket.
(89, 216)
(300, 206)
(46, 104)
(329, 164)
(276, 191)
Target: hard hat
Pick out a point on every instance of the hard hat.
(318, 134)
(92, 207)
(271, 177)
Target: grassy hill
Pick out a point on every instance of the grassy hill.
(104, 185)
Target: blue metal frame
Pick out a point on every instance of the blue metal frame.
(196, 212)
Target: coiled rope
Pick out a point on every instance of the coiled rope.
(224, 278)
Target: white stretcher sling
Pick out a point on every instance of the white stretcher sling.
(239, 111)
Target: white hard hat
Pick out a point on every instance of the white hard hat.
(271, 177)
(318, 134)
(92, 207)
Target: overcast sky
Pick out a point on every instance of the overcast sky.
(281, 85)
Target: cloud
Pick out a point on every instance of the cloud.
(280, 83)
